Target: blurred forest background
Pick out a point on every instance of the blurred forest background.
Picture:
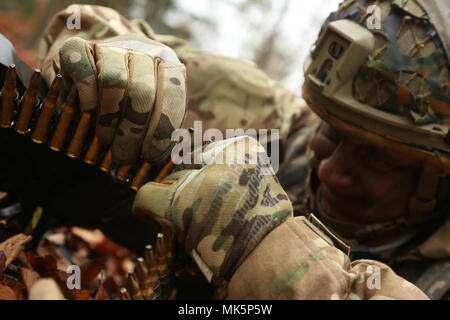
(276, 35)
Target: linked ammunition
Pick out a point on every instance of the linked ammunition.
(150, 261)
(93, 152)
(65, 119)
(165, 170)
(133, 286)
(153, 275)
(76, 146)
(9, 94)
(145, 283)
(124, 295)
(161, 255)
(107, 164)
(47, 112)
(141, 176)
(165, 276)
(123, 172)
(29, 102)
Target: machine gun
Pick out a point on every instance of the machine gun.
(51, 158)
(47, 160)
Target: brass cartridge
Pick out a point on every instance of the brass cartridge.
(65, 119)
(161, 255)
(124, 295)
(145, 283)
(47, 112)
(92, 155)
(76, 146)
(107, 163)
(150, 260)
(165, 170)
(9, 94)
(30, 99)
(133, 286)
(123, 172)
(141, 176)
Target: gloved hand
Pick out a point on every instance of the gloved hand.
(136, 87)
(220, 211)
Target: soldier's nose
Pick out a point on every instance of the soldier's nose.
(338, 168)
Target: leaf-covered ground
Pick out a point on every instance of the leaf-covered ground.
(103, 264)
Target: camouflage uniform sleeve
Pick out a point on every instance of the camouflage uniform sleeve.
(295, 261)
(224, 93)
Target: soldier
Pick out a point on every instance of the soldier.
(383, 188)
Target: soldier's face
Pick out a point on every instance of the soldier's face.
(361, 184)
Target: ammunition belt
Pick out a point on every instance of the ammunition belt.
(69, 130)
(65, 130)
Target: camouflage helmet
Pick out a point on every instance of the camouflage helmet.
(392, 81)
(380, 70)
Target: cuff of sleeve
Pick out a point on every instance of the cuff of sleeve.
(292, 262)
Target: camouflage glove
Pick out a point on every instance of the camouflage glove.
(220, 211)
(136, 87)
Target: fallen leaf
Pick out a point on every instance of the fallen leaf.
(13, 247)
(61, 277)
(15, 286)
(84, 295)
(92, 237)
(58, 239)
(46, 248)
(101, 292)
(23, 261)
(29, 277)
(91, 269)
(99, 243)
(46, 267)
(46, 289)
(6, 293)
(111, 287)
(2, 261)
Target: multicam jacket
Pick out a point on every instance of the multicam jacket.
(299, 259)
